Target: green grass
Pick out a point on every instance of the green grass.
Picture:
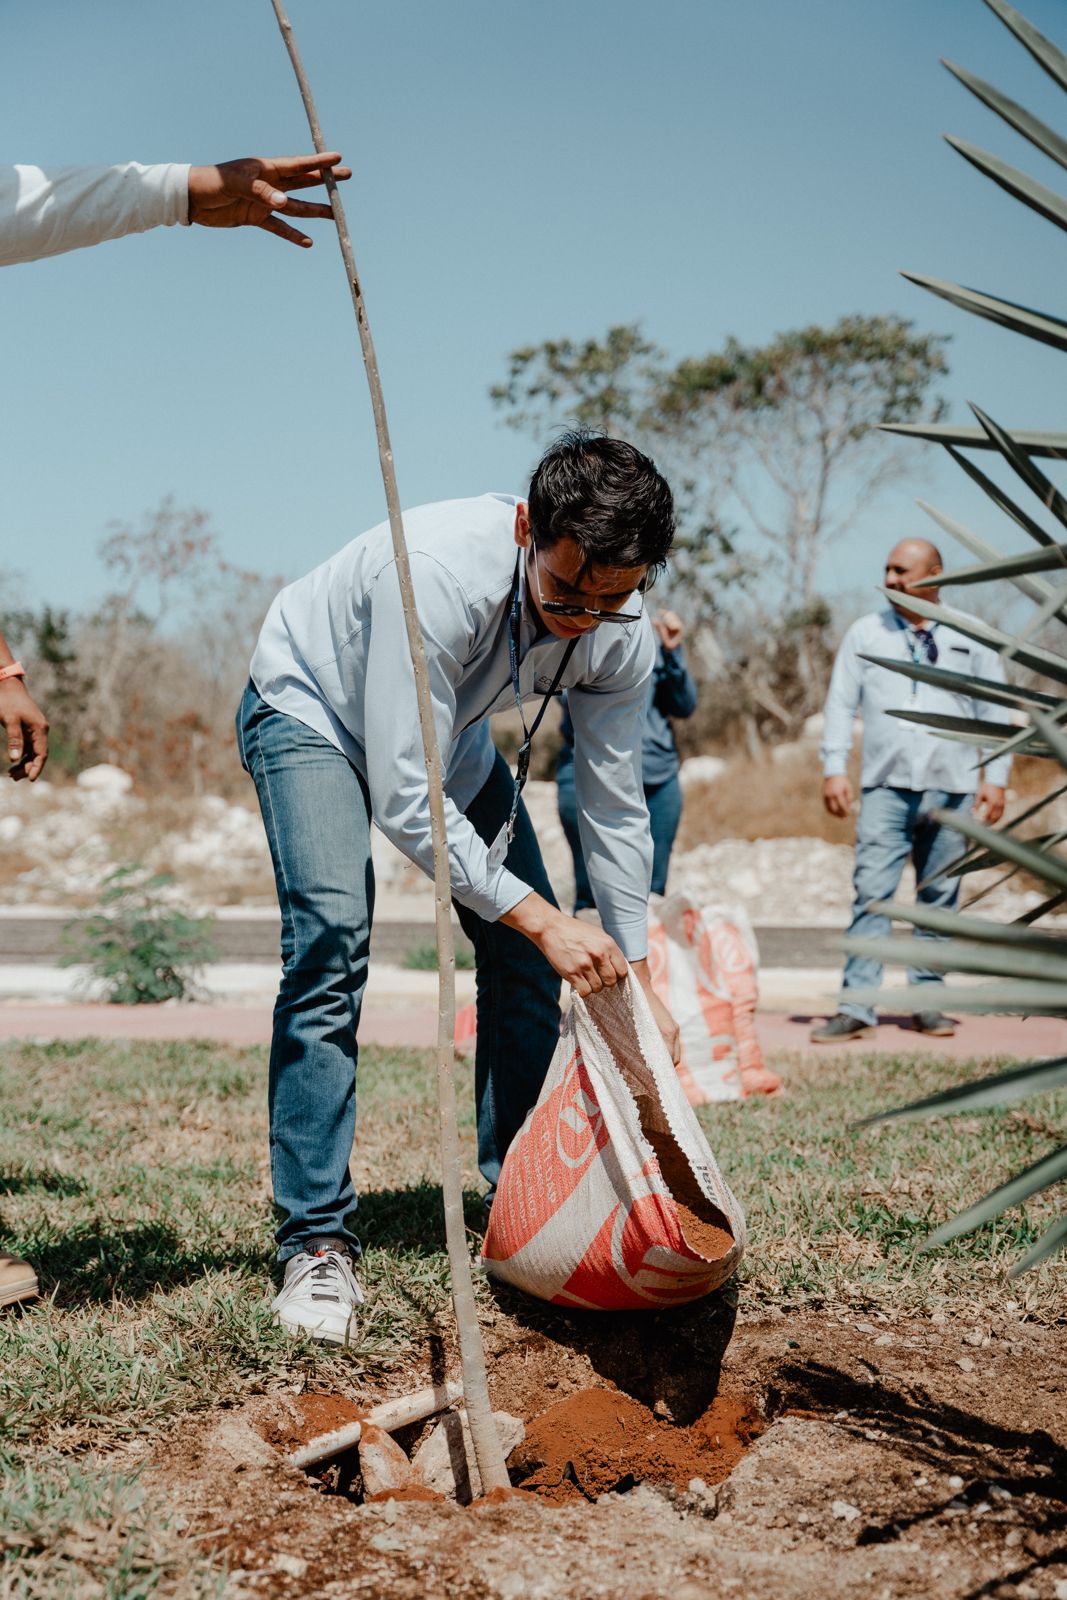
(135, 1178)
(423, 958)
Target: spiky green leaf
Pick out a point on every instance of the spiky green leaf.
(1037, 442)
(1001, 1088)
(954, 925)
(1017, 997)
(977, 730)
(1019, 460)
(957, 955)
(1050, 1243)
(1028, 655)
(1047, 140)
(1038, 196)
(1042, 864)
(1044, 52)
(1052, 559)
(1000, 497)
(998, 694)
(1033, 324)
(1033, 1180)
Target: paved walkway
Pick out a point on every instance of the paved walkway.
(414, 1024)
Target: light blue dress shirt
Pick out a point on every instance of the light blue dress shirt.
(333, 653)
(899, 754)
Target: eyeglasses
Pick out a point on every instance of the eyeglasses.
(557, 608)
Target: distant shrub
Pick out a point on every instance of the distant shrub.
(142, 947)
(423, 958)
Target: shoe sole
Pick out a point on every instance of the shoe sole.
(300, 1330)
(937, 1033)
(12, 1293)
(841, 1038)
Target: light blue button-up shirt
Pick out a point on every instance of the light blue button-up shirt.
(898, 754)
(333, 653)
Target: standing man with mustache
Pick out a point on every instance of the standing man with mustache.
(908, 772)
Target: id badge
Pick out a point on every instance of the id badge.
(500, 846)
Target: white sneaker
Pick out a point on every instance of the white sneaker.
(320, 1295)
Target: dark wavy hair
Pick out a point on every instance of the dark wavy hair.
(606, 496)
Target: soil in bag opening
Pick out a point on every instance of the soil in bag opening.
(702, 1223)
(601, 1440)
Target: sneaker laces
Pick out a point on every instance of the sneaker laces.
(328, 1271)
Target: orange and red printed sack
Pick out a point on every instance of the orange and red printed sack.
(610, 1198)
(704, 963)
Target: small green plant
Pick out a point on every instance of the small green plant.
(423, 958)
(140, 945)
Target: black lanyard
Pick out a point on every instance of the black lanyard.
(522, 765)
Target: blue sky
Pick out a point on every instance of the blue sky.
(524, 169)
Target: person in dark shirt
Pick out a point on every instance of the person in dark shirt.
(672, 694)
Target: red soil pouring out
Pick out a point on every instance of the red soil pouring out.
(600, 1439)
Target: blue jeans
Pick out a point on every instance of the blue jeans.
(317, 813)
(893, 824)
(664, 802)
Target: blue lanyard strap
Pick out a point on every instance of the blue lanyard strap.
(522, 765)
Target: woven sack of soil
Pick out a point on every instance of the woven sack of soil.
(610, 1198)
(704, 962)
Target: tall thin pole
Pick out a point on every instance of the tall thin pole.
(491, 1466)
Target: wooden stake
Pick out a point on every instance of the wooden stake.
(491, 1466)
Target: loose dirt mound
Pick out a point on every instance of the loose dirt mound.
(306, 1416)
(900, 1461)
(599, 1440)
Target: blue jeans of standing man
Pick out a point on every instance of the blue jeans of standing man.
(316, 810)
(893, 825)
(664, 802)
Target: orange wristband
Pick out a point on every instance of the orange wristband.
(15, 670)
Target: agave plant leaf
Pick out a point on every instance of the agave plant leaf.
(1053, 735)
(1051, 904)
(951, 923)
(1032, 588)
(1038, 196)
(957, 955)
(1041, 863)
(1024, 742)
(1036, 441)
(998, 694)
(1001, 498)
(1050, 1242)
(1019, 460)
(1044, 52)
(1017, 997)
(1032, 1180)
(978, 730)
(1000, 1089)
(1047, 140)
(1033, 656)
(1039, 325)
(1052, 558)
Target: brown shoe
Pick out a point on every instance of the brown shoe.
(18, 1281)
(935, 1023)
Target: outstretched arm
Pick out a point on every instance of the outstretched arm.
(47, 213)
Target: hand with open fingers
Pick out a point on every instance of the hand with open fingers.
(585, 955)
(247, 193)
(26, 728)
(837, 795)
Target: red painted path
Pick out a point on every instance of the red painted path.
(415, 1025)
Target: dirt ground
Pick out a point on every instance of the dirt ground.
(675, 1454)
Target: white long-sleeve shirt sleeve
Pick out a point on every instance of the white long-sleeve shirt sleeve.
(396, 766)
(989, 664)
(612, 815)
(45, 213)
(842, 704)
